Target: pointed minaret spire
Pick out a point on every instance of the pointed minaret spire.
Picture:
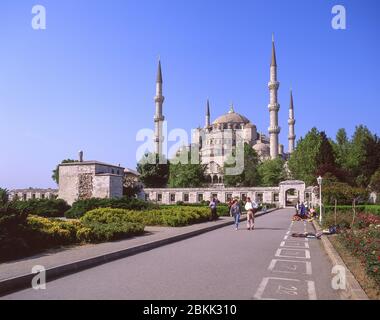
(274, 60)
(158, 117)
(159, 72)
(207, 123)
(274, 107)
(291, 122)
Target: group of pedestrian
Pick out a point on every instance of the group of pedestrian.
(235, 211)
(251, 207)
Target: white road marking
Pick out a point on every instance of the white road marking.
(311, 290)
(260, 291)
(284, 244)
(279, 253)
(274, 261)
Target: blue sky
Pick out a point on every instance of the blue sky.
(87, 81)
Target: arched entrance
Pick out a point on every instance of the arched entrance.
(291, 197)
(291, 191)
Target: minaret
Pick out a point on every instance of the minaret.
(273, 106)
(291, 122)
(158, 118)
(207, 123)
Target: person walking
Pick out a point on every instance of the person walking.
(235, 213)
(213, 207)
(251, 208)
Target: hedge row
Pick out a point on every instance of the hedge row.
(22, 234)
(374, 209)
(43, 207)
(166, 216)
(80, 207)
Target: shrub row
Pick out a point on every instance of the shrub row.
(80, 207)
(166, 216)
(43, 207)
(374, 209)
(22, 234)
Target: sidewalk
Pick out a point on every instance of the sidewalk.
(58, 262)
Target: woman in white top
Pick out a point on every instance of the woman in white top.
(251, 208)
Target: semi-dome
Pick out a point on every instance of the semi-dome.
(232, 117)
(262, 149)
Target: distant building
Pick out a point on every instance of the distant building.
(89, 179)
(32, 193)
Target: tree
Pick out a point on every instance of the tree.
(314, 156)
(186, 175)
(153, 172)
(272, 172)
(249, 177)
(4, 196)
(55, 175)
(303, 161)
(375, 182)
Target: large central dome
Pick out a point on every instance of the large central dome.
(231, 117)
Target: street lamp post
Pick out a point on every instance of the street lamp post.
(319, 180)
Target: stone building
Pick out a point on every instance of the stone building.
(218, 139)
(32, 193)
(284, 195)
(89, 179)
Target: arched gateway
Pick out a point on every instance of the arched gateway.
(290, 192)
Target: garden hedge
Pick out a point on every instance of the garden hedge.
(80, 207)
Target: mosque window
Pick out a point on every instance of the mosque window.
(159, 197)
(200, 197)
(185, 197)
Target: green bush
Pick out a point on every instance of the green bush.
(166, 216)
(80, 207)
(112, 231)
(374, 209)
(43, 207)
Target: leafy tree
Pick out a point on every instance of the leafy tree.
(375, 182)
(55, 175)
(153, 172)
(186, 175)
(4, 196)
(250, 176)
(272, 172)
(314, 156)
(303, 161)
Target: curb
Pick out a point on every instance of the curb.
(10, 285)
(353, 289)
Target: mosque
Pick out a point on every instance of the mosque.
(216, 139)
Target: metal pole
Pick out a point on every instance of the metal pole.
(320, 203)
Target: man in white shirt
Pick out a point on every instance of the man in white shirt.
(251, 208)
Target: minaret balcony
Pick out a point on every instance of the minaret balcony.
(291, 122)
(159, 99)
(274, 107)
(159, 118)
(274, 130)
(292, 137)
(273, 85)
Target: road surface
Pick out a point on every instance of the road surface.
(266, 263)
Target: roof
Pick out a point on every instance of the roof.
(90, 163)
(35, 190)
(231, 117)
(261, 147)
(127, 170)
(159, 72)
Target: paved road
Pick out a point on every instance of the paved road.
(224, 264)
